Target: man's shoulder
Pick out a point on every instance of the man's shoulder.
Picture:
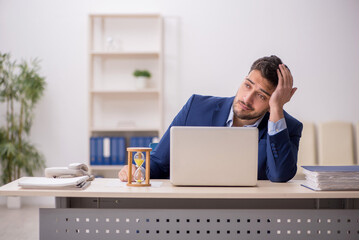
(290, 120)
(210, 99)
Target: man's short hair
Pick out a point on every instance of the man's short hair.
(268, 67)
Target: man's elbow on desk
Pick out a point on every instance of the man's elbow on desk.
(281, 176)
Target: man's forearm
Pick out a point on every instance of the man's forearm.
(276, 114)
(281, 157)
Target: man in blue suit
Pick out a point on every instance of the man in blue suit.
(258, 103)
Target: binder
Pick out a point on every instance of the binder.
(122, 151)
(106, 154)
(114, 151)
(93, 156)
(140, 141)
(118, 151)
(99, 151)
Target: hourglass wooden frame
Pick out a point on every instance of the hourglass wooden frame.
(130, 150)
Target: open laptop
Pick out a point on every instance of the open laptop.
(214, 156)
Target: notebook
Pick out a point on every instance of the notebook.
(213, 156)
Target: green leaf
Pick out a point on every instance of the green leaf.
(21, 88)
(142, 73)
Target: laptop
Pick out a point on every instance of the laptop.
(214, 156)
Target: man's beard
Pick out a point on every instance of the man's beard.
(249, 116)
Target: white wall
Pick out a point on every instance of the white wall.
(210, 46)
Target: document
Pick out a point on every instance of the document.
(334, 178)
(54, 183)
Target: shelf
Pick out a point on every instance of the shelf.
(125, 129)
(106, 167)
(124, 54)
(141, 91)
(114, 15)
(118, 44)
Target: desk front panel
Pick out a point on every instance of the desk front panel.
(158, 224)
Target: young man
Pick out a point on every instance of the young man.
(258, 103)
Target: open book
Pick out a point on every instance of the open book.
(54, 183)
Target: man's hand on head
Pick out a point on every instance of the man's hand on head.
(282, 94)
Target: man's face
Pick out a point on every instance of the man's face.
(252, 98)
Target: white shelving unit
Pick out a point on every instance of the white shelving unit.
(118, 45)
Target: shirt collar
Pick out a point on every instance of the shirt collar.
(229, 122)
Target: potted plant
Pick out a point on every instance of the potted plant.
(142, 77)
(21, 87)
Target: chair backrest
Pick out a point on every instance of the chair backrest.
(307, 154)
(357, 142)
(336, 145)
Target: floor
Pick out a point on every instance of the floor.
(20, 223)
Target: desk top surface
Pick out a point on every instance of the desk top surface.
(114, 188)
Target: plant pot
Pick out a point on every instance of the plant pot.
(14, 202)
(141, 82)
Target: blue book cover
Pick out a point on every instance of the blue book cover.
(122, 151)
(352, 168)
(99, 151)
(141, 141)
(113, 151)
(93, 156)
(134, 142)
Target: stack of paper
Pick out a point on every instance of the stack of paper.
(331, 177)
(54, 183)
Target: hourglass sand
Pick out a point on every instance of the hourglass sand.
(139, 175)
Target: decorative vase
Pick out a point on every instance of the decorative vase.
(14, 202)
(141, 82)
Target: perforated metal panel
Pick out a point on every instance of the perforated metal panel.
(185, 224)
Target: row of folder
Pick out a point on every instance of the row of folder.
(112, 150)
(334, 178)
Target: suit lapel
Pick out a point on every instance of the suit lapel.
(262, 128)
(221, 112)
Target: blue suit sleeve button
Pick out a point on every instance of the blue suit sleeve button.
(276, 155)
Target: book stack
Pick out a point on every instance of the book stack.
(140, 141)
(107, 151)
(112, 150)
(334, 178)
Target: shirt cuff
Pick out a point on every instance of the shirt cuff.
(276, 127)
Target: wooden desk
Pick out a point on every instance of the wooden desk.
(108, 209)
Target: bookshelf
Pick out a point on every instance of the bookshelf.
(118, 44)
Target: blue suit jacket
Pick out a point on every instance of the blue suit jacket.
(277, 154)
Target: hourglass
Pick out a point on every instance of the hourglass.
(141, 178)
